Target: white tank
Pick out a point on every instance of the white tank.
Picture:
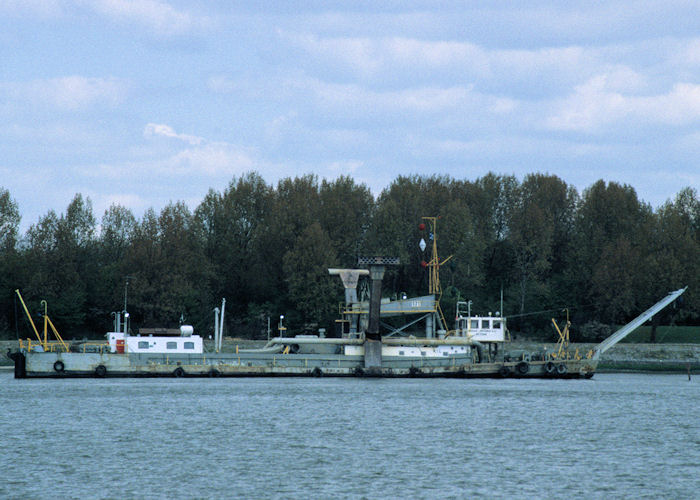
(186, 330)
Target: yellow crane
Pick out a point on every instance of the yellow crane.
(47, 323)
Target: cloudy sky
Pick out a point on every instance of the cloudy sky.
(147, 101)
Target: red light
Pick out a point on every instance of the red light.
(421, 226)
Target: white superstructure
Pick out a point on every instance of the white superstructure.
(481, 328)
(185, 343)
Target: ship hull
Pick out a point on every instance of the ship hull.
(66, 365)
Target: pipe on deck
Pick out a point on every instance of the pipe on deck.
(386, 341)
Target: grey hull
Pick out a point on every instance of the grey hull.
(255, 364)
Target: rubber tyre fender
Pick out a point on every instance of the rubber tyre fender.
(100, 371)
(317, 372)
(522, 368)
(178, 372)
(550, 368)
(562, 369)
(58, 366)
(504, 371)
(214, 373)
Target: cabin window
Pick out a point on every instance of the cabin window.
(143, 345)
(475, 324)
(401, 353)
(497, 324)
(171, 345)
(189, 345)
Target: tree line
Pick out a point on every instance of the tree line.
(603, 254)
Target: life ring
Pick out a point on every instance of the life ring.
(549, 367)
(561, 369)
(522, 367)
(58, 366)
(504, 371)
(100, 371)
(179, 372)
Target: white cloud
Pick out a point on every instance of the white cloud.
(70, 92)
(369, 56)
(154, 14)
(690, 54)
(380, 57)
(200, 158)
(216, 159)
(41, 8)
(354, 99)
(601, 102)
(155, 129)
(206, 157)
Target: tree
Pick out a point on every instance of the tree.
(395, 228)
(9, 225)
(117, 230)
(672, 259)
(312, 292)
(292, 209)
(231, 226)
(61, 264)
(9, 221)
(345, 214)
(612, 228)
(540, 231)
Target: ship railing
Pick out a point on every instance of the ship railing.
(98, 347)
(30, 346)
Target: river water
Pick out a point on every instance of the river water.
(615, 436)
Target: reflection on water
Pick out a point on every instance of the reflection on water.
(617, 435)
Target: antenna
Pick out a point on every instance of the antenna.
(126, 288)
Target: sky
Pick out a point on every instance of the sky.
(140, 103)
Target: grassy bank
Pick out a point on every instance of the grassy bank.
(664, 335)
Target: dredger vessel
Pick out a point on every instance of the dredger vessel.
(475, 347)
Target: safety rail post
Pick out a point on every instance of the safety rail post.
(58, 336)
(29, 316)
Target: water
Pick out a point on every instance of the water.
(617, 435)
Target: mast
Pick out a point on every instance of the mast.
(433, 266)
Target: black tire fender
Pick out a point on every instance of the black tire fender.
(504, 371)
(178, 372)
(522, 367)
(58, 366)
(100, 370)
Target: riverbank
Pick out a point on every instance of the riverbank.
(623, 357)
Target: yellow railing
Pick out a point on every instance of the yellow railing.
(30, 345)
(98, 346)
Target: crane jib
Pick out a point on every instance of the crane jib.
(635, 323)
